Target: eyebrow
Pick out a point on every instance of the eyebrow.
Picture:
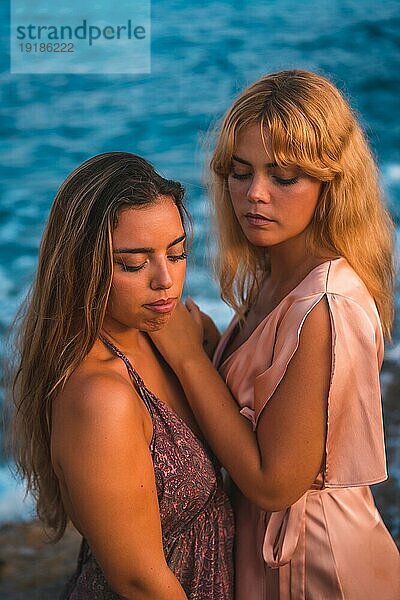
(147, 250)
(245, 162)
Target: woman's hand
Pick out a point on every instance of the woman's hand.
(183, 335)
(291, 432)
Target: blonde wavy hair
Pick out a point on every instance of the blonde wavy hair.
(64, 311)
(312, 126)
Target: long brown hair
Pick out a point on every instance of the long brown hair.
(312, 126)
(64, 311)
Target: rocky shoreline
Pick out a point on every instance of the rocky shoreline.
(31, 567)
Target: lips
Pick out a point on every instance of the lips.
(257, 220)
(162, 306)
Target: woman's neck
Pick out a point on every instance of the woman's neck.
(292, 261)
(125, 339)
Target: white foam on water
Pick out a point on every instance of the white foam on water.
(391, 173)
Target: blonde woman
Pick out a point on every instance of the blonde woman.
(306, 260)
(103, 434)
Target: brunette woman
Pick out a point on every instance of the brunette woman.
(103, 433)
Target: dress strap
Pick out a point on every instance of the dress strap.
(138, 381)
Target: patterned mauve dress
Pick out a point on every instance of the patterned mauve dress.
(196, 517)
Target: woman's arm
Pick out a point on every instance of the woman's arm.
(107, 469)
(278, 463)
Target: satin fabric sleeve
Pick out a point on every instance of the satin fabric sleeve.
(355, 451)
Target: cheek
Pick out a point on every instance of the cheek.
(236, 195)
(312, 203)
(304, 203)
(179, 274)
(313, 194)
(126, 286)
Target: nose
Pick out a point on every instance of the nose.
(258, 190)
(161, 277)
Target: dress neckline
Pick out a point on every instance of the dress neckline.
(235, 320)
(143, 387)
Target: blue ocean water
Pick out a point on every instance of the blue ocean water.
(202, 55)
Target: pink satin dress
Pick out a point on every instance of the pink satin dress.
(331, 544)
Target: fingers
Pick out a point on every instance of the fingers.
(191, 304)
(194, 311)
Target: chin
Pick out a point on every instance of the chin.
(155, 324)
(261, 241)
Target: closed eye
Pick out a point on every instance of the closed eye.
(240, 176)
(283, 182)
(131, 268)
(177, 257)
(279, 180)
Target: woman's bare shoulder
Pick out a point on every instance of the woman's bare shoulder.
(97, 385)
(98, 402)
